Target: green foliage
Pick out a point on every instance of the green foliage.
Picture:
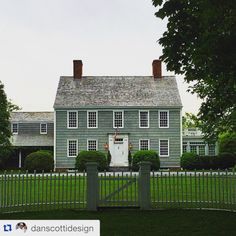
(189, 120)
(39, 161)
(108, 158)
(191, 161)
(91, 156)
(199, 44)
(146, 155)
(5, 129)
(227, 142)
(226, 160)
(130, 159)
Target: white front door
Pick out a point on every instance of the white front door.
(119, 150)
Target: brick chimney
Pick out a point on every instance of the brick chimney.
(156, 69)
(78, 69)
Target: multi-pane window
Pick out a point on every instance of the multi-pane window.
(92, 119)
(92, 145)
(143, 119)
(72, 148)
(163, 119)
(193, 149)
(198, 148)
(143, 144)
(118, 119)
(14, 128)
(211, 150)
(164, 147)
(201, 150)
(72, 119)
(43, 128)
(184, 147)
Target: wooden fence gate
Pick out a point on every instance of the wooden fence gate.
(118, 189)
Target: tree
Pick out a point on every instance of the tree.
(227, 143)
(189, 120)
(200, 44)
(5, 131)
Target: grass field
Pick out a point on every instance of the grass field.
(158, 223)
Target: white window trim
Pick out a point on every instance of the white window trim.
(168, 148)
(46, 128)
(68, 147)
(96, 119)
(122, 119)
(144, 139)
(140, 119)
(17, 128)
(168, 118)
(92, 139)
(68, 119)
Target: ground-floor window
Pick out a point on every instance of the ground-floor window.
(211, 150)
(200, 148)
(164, 147)
(92, 145)
(185, 145)
(72, 148)
(144, 144)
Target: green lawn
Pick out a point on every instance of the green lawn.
(53, 192)
(132, 222)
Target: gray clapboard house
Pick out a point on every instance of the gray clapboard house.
(194, 142)
(31, 131)
(119, 113)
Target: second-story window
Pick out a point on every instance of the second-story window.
(118, 119)
(143, 119)
(72, 119)
(92, 118)
(163, 119)
(14, 128)
(43, 128)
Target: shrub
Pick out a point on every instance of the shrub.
(130, 159)
(39, 160)
(108, 158)
(146, 155)
(189, 161)
(91, 156)
(226, 160)
(227, 142)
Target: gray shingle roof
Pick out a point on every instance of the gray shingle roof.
(32, 117)
(117, 91)
(32, 140)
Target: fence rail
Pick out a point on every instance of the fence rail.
(207, 189)
(26, 192)
(154, 190)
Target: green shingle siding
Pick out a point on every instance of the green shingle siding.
(105, 127)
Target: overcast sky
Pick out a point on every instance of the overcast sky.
(40, 38)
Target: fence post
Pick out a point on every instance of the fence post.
(92, 186)
(144, 185)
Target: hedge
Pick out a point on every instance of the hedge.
(39, 161)
(191, 161)
(91, 156)
(146, 155)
